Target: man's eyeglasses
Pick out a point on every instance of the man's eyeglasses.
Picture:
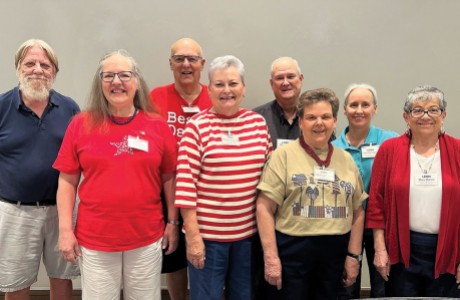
(110, 76)
(432, 112)
(179, 59)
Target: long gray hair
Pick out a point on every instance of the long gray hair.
(98, 106)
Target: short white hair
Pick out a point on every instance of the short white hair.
(225, 62)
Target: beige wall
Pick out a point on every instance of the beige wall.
(394, 45)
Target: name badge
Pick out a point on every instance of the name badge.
(230, 139)
(426, 179)
(324, 174)
(281, 142)
(138, 143)
(369, 151)
(190, 109)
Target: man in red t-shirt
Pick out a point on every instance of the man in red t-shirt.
(177, 103)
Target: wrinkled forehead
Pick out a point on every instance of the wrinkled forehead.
(35, 53)
(284, 66)
(186, 48)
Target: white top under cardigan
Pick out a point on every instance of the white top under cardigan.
(425, 200)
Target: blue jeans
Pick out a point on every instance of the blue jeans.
(229, 265)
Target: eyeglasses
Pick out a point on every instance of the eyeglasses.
(432, 112)
(110, 76)
(179, 59)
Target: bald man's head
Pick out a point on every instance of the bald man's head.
(186, 62)
(186, 43)
(286, 80)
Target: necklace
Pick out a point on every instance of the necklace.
(426, 170)
(125, 121)
(319, 161)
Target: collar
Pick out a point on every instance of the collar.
(182, 100)
(371, 138)
(19, 103)
(280, 113)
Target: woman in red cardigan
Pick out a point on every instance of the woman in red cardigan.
(414, 203)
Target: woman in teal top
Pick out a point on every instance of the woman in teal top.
(362, 140)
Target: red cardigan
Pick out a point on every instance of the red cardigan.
(388, 206)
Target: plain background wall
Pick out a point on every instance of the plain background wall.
(394, 45)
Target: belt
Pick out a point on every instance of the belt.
(34, 203)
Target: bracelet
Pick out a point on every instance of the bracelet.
(358, 257)
(173, 222)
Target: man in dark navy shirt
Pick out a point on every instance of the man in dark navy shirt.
(33, 120)
(281, 114)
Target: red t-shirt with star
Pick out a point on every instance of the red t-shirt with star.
(120, 207)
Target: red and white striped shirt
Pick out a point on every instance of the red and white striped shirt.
(219, 165)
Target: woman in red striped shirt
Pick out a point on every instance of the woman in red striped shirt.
(221, 156)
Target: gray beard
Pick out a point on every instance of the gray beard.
(33, 93)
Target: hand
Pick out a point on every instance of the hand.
(351, 271)
(273, 271)
(68, 246)
(196, 251)
(170, 238)
(382, 263)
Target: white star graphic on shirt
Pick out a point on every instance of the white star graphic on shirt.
(122, 147)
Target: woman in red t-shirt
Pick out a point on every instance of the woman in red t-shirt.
(126, 154)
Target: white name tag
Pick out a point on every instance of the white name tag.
(426, 179)
(138, 143)
(190, 109)
(369, 151)
(324, 174)
(281, 142)
(230, 139)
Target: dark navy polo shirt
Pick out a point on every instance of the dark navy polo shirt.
(29, 146)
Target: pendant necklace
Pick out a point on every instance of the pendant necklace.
(426, 170)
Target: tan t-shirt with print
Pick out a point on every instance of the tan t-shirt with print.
(308, 204)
